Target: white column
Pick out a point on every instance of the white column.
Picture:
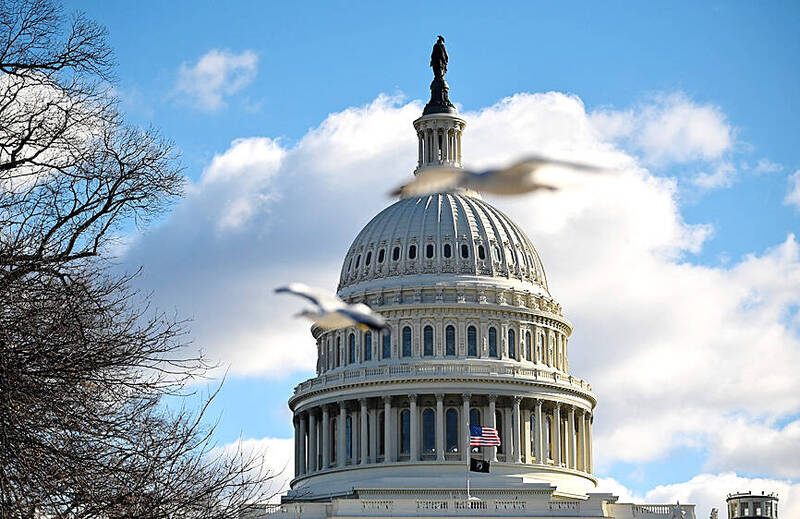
(557, 431)
(527, 439)
(445, 147)
(440, 427)
(302, 453)
(571, 447)
(493, 424)
(589, 461)
(581, 453)
(540, 456)
(516, 430)
(421, 159)
(465, 426)
(355, 443)
(363, 426)
(312, 440)
(388, 455)
(414, 427)
(326, 437)
(373, 435)
(341, 454)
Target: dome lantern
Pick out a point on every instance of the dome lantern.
(439, 129)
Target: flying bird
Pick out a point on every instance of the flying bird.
(331, 312)
(519, 178)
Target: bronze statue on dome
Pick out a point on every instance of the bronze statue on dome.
(439, 58)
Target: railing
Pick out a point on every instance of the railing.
(652, 509)
(431, 369)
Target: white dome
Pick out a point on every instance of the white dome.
(448, 237)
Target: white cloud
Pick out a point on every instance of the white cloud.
(678, 354)
(670, 129)
(793, 196)
(708, 491)
(722, 176)
(767, 166)
(216, 75)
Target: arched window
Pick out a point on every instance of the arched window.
(451, 430)
(351, 349)
(407, 341)
(429, 251)
(387, 344)
(548, 440)
(381, 433)
(528, 346)
(448, 251)
(550, 357)
(428, 431)
(338, 350)
(333, 440)
(496, 251)
(512, 344)
(474, 417)
(396, 254)
(493, 342)
(427, 341)
(464, 251)
(498, 423)
(348, 431)
(412, 252)
(472, 342)
(358, 260)
(368, 346)
(539, 347)
(368, 259)
(533, 436)
(481, 252)
(405, 431)
(450, 340)
(381, 255)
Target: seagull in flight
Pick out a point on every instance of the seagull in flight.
(517, 179)
(331, 312)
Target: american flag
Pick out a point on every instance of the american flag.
(483, 436)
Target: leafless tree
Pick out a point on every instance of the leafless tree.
(85, 363)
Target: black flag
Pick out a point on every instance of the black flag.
(478, 465)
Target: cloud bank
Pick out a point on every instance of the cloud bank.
(679, 354)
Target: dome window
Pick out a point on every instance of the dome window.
(368, 259)
(512, 344)
(427, 341)
(493, 342)
(358, 260)
(464, 251)
(381, 254)
(496, 251)
(450, 341)
(406, 341)
(429, 251)
(367, 346)
(481, 252)
(472, 342)
(396, 254)
(412, 252)
(448, 251)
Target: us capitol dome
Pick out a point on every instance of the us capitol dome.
(474, 336)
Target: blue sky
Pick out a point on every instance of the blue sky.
(731, 64)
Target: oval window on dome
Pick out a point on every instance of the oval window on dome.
(481, 252)
(448, 251)
(368, 259)
(464, 251)
(429, 251)
(358, 260)
(396, 254)
(381, 255)
(412, 252)
(496, 251)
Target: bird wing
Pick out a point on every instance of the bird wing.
(363, 314)
(534, 162)
(431, 180)
(324, 300)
